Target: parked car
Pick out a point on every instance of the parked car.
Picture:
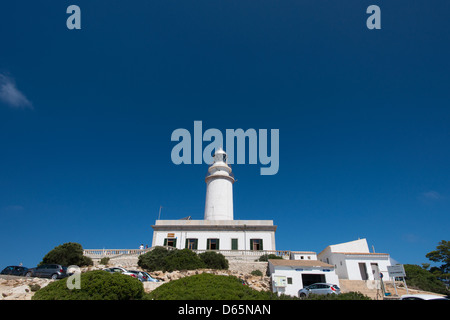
(319, 288)
(120, 270)
(150, 278)
(53, 271)
(422, 297)
(15, 271)
(139, 275)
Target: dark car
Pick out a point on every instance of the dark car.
(15, 271)
(53, 271)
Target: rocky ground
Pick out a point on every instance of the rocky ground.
(22, 288)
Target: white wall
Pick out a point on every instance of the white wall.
(353, 268)
(298, 255)
(297, 283)
(347, 266)
(359, 246)
(224, 236)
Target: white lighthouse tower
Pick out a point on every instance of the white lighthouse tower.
(219, 189)
(218, 230)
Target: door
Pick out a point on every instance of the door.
(191, 244)
(256, 244)
(323, 289)
(40, 271)
(375, 271)
(234, 244)
(212, 244)
(308, 279)
(46, 272)
(170, 242)
(363, 271)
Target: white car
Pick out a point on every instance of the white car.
(422, 297)
(120, 270)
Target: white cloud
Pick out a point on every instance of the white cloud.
(432, 195)
(14, 208)
(11, 96)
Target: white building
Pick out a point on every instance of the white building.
(289, 276)
(218, 230)
(354, 261)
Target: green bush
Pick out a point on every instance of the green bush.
(168, 260)
(422, 279)
(104, 260)
(342, 296)
(183, 260)
(214, 260)
(256, 273)
(95, 285)
(67, 254)
(207, 286)
(266, 257)
(34, 287)
(154, 260)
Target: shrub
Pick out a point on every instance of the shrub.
(214, 260)
(162, 259)
(342, 296)
(154, 260)
(183, 260)
(95, 285)
(67, 254)
(104, 260)
(207, 286)
(256, 273)
(266, 257)
(34, 287)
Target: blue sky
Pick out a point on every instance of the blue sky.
(86, 118)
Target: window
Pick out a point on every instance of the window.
(170, 242)
(212, 244)
(289, 280)
(191, 244)
(234, 244)
(256, 244)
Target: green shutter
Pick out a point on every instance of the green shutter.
(251, 244)
(195, 244)
(207, 244)
(175, 242)
(165, 241)
(234, 244)
(218, 247)
(261, 246)
(186, 244)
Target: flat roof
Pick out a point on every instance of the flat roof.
(299, 263)
(260, 225)
(363, 253)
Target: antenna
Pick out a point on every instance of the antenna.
(159, 215)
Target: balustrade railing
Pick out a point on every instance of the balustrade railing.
(101, 253)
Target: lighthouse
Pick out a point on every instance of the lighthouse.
(245, 239)
(219, 189)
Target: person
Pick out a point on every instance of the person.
(141, 246)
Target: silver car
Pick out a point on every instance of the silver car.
(319, 288)
(53, 271)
